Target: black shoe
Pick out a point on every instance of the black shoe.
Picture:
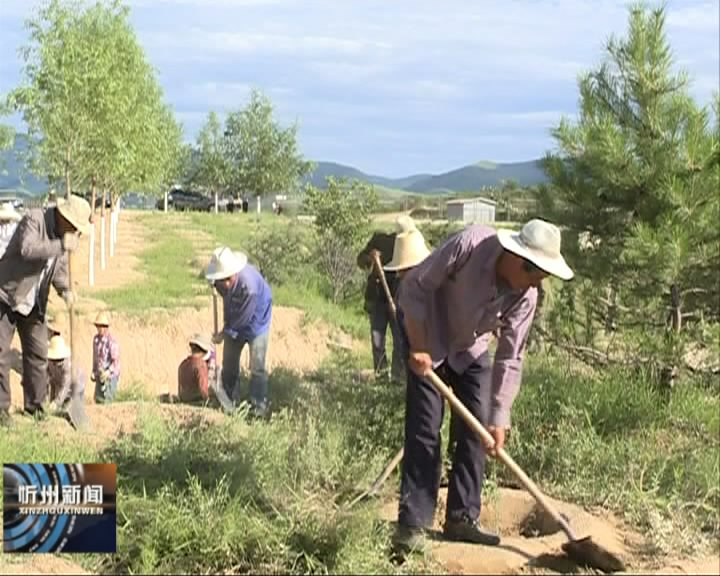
(38, 413)
(259, 412)
(407, 540)
(468, 530)
(5, 419)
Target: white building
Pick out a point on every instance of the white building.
(471, 210)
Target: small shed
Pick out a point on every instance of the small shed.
(471, 210)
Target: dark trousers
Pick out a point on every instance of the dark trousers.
(380, 319)
(423, 418)
(34, 342)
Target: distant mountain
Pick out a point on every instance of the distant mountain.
(13, 175)
(465, 179)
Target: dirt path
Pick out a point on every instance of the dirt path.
(122, 268)
(531, 542)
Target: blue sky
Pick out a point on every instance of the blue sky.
(393, 87)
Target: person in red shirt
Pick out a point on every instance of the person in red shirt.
(196, 372)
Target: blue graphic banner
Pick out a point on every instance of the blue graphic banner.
(59, 508)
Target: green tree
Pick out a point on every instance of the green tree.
(343, 214)
(57, 62)
(264, 157)
(213, 169)
(634, 184)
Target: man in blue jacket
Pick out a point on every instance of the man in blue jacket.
(247, 312)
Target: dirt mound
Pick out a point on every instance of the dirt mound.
(531, 540)
(151, 347)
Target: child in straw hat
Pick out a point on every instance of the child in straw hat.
(106, 361)
(196, 372)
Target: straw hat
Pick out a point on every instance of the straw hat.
(8, 213)
(409, 250)
(102, 319)
(75, 210)
(57, 349)
(538, 242)
(405, 223)
(224, 263)
(200, 342)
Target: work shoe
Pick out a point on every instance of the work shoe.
(5, 419)
(467, 530)
(407, 540)
(259, 411)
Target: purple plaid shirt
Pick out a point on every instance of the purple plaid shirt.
(106, 355)
(454, 293)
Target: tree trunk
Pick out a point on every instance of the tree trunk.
(669, 371)
(91, 255)
(68, 188)
(102, 227)
(216, 202)
(112, 223)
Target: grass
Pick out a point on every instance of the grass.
(610, 440)
(234, 497)
(170, 279)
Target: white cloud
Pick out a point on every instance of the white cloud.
(204, 3)
(207, 43)
(702, 17)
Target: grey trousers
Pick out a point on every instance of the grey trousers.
(34, 342)
(380, 318)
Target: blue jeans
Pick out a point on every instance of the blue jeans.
(258, 372)
(110, 390)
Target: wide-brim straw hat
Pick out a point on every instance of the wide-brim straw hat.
(200, 342)
(409, 250)
(75, 210)
(102, 319)
(57, 349)
(539, 243)
(405, 223)
(225, 263)
(8, 213)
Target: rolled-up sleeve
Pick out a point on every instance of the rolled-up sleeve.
(507, 368)
(442, 264)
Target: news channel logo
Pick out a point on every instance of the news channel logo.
(50, 508)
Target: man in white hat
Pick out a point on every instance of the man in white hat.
(382, 244)
(247, 311)
(479, 281)
(35, 258)
(9, 218)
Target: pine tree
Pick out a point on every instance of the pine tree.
(634, 183)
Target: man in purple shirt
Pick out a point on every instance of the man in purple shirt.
(480, 281)
(247, 311)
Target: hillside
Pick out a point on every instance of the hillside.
(13, 175)
(472, 177)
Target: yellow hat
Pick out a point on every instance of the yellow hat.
(57, 349)
(409, 250)
(102, 319)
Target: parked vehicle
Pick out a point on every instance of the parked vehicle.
(179, 199)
